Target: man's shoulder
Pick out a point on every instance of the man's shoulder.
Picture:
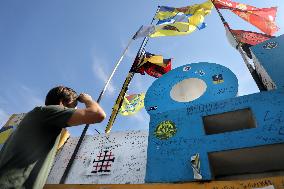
(58, 108)
(49, 108)
(51, 114)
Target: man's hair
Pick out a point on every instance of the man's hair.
(60, 93)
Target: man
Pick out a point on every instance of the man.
(27, 156)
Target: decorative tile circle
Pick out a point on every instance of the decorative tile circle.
(165, 130)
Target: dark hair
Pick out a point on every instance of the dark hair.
(60, 93)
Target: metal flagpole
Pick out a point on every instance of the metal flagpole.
(252, 71)
(69, 165)
(127, 81)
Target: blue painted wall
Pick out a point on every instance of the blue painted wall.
(269, 57)
(168, 159)
(158, 95)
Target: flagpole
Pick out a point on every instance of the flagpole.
(115, 68)
(127, 80)
(252, 71)
(69, 165)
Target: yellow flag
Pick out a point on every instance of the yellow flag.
(132, 104)
(4, 135)
(63, 138)
(206, 7)
(181, 28)
(178, 28)
(156, 59)
(168, 12)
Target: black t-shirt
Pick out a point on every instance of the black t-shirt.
(30, 143)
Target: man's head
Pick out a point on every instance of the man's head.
(61, 95)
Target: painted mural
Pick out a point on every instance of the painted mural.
(9, 127)
(116, 158)
(183, 136)
(217, 133)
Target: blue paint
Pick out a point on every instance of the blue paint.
(169, 160)
(159, 93)
(270, 56)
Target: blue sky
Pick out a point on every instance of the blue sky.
(77, 43)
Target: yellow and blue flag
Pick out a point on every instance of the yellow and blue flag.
(180, 17)
(177, 21)
(170, 12)
(132, 104)
(181, 28)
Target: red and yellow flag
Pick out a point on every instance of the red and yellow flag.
(154, 65)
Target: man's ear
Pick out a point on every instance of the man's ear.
(66, 104)
(69, 104)
(63, 102)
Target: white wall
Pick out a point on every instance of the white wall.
(129, 150)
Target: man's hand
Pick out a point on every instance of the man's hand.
(93, 113)
(83, 98)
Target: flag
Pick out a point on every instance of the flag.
(155, 59)
(154, 65)
(132, 104)
(181, 28)
(170, 12)
(244, 39)
(5, 132)
(63, 138)
(175, 29)
(181, 17)
(228, 4)
(235, 42)
(193, 15)
(258, 18)
(154, 70)
(183, 21)
(249, 37)
(144, 31)
(262, 18)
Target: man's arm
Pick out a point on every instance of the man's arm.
(93, 113)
